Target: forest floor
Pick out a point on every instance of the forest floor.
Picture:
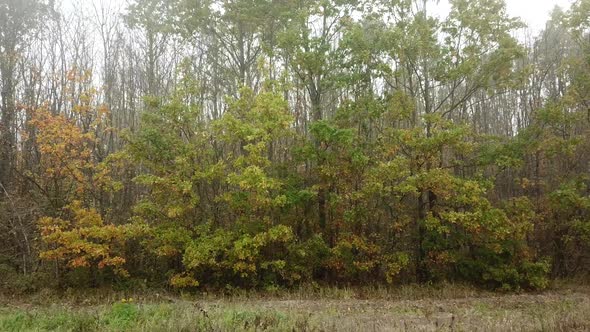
(410, 308)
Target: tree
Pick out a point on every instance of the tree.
(20, 20)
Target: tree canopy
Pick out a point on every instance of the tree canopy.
(253, 143)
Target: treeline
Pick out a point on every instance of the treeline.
(263, 143)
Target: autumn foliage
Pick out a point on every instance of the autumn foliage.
(330, 142)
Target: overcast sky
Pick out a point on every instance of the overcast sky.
(533, 12)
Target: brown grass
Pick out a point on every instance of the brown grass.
(409, 308)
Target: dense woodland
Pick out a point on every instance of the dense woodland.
(271, 143)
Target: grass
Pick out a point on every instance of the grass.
(408, 308)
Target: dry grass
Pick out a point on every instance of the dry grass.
(408, 308)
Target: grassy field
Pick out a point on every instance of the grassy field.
(442, 308)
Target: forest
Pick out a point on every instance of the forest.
(269, 144)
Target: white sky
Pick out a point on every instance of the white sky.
(533, 12)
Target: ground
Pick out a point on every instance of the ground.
(408, 308)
